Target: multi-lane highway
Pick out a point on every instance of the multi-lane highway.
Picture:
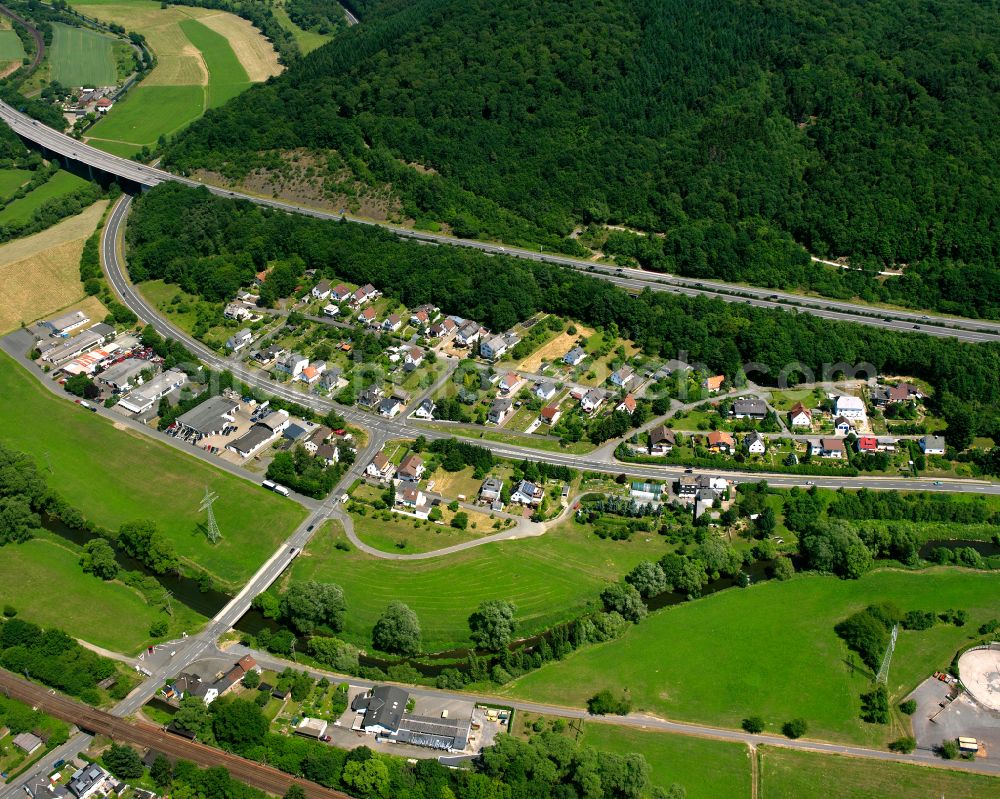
(400, 428)
(970, 330)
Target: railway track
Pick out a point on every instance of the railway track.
(35, 34)
(146, 736)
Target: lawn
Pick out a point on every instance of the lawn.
(40, 274)
(416, 535)
(149, 111)
(551, 578)
(82, 57)
(707, 769)
(118, 476)
(787, 774)
(226, 76)
(771, 650)
(11, 179)
(37, 577)
(59, 185)
(306, 40)
(11, 48)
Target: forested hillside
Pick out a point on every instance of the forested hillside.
(212, 246)
(733, 128)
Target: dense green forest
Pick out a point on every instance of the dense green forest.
(211, 246)
(745, 134)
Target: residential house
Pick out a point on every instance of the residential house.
(312, 373)
(510, 383)
(412, 500)
(368, 317)
(88, 781)
(331, 310)
(291, 363)
(332, 379)
(491, 489)
(494, 347)
(321, 290)
(311, 728)
(339, 293)
(380, 468)
(627, 405)
(800, 416)
(849, 407)
(883, 395)
(390, 407)
(445, 327)
(545, 390)
(413, 357)
(713, 384)
(754, 444)
(527, 493)
(499, 411)
(867, 444)
(687, 486)
(932, 445)
(661, 440)
(239, 340)
(721, 441)
(468, 334)
(367, 293)
(623, 376)
(237, 311)
(392, 323)
(670, 367)
(318, 436)
(276, 421)
(886, 445)
(575, 356)
(420, 319)
(592, 400)
(842, 425)
(749, 408)
(370, 397)
(829, 448)
(411, 469)
(268, 354)
(327, 454)
(425, 410)
(550, 414)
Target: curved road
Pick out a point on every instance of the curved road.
(384, 428)
(969, 330)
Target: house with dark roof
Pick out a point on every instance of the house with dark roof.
(528, 493)
(828, 448)
(491, 489)
(749, 408)
(661, 440)
(499, 411)
(575, 356)
(380, 468)
(383, 706)
(754, 443)
(932, 445)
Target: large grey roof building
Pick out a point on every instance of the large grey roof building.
(209, 417)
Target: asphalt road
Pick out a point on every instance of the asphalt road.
(634, 279)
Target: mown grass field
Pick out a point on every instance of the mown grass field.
(551, 579)
(11, 48)
(787, 774)
(43, 580)
(82, 57)
(59, 185)
(255, 53)
(40, 274)
(12, 179)
(148, 112)
(114, 476)
(771, 650)
(707, 769)
(226, 76)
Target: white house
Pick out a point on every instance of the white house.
(510, 383)
(800, 416)
(574, 356)
(493, 347)
(527, 493)
(292, 363)
(499, 411)
(592, 400)
(237, 311)
(239, 340)
(545, 391)
(755, 444)
(321, 290)
(380, 468)
(849, 407)
(932, 445)
(331, 310)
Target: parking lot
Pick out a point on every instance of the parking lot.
(939, 718)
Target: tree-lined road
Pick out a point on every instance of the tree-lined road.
(970, 330)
